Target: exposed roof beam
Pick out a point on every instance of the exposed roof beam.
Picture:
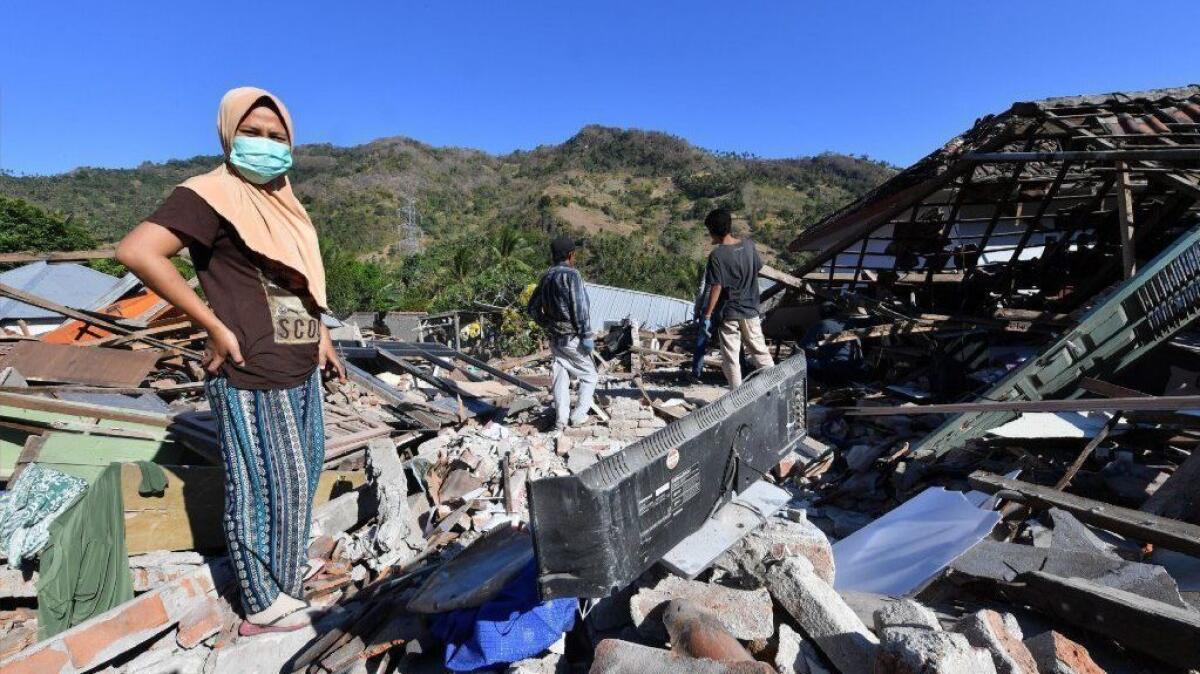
(1139, 154)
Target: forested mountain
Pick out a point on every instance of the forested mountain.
(404, 224)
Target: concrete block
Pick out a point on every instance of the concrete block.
(819, 610)
(911, 640)
(779, 539)
(733, 521)
(797, 655)
(905, 613)
(999, 635)
(563, 444)
(342, 513)
(161, 662)
(263, 653)
(907, 650)
(624, 657)
(1056, 654)
(746, 614)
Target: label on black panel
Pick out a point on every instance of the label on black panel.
(668, 500)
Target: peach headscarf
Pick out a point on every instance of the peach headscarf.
(268, 218)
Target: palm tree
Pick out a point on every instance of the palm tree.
(462, 262)
(507, 246)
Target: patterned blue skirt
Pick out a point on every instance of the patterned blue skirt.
(273, 446)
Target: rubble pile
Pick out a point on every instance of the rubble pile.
(990, 465)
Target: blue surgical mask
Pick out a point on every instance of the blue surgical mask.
(260, 160)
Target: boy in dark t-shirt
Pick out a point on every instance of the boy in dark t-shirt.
(732, 277)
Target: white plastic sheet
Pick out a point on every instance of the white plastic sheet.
(1054, 425)
(898, 552)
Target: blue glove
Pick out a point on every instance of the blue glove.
(708, 327)
(587, 344)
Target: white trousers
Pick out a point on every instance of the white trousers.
(572, 362)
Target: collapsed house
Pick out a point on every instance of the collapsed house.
(977, 454)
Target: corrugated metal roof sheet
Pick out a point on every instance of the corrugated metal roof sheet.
(653, 312)
(66, 283)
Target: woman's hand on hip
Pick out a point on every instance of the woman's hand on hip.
(222, 346)
(327, 356)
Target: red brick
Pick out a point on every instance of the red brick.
(785, 467)
(144, 614)
(198, 624)
(42, 661)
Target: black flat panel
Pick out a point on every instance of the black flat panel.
(597, 531)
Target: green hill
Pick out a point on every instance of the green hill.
(396, 212)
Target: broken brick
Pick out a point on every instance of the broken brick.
(1056, 654)
(1000, 636)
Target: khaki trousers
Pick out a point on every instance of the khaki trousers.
(733, 331)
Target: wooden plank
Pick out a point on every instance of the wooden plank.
(1153, 403)
(73, 388)
(498, 374)
(37, 407)
(904, 278)
(34, 300)
(1103, 388)
(448, 386)
(1125, 220)
(1162, 631)
(187, 516)
(419, 412)
(343, 445)
(57, 256)
(512, 363)
(1087, 451)
(86, 456)
(1169, 533)
(86, 365)
(781, 277)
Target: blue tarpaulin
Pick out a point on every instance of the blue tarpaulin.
(513, 626)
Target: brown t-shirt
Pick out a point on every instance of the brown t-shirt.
(265, 305)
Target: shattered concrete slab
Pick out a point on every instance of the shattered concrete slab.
(780, 538)
(911, 640)
(1000, 561)
(1070, 535)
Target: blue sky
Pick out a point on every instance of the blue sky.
(115, 84)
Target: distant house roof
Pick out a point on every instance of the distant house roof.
(66, 283)
(653, 312)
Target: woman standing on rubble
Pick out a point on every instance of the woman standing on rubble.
(256, 255)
